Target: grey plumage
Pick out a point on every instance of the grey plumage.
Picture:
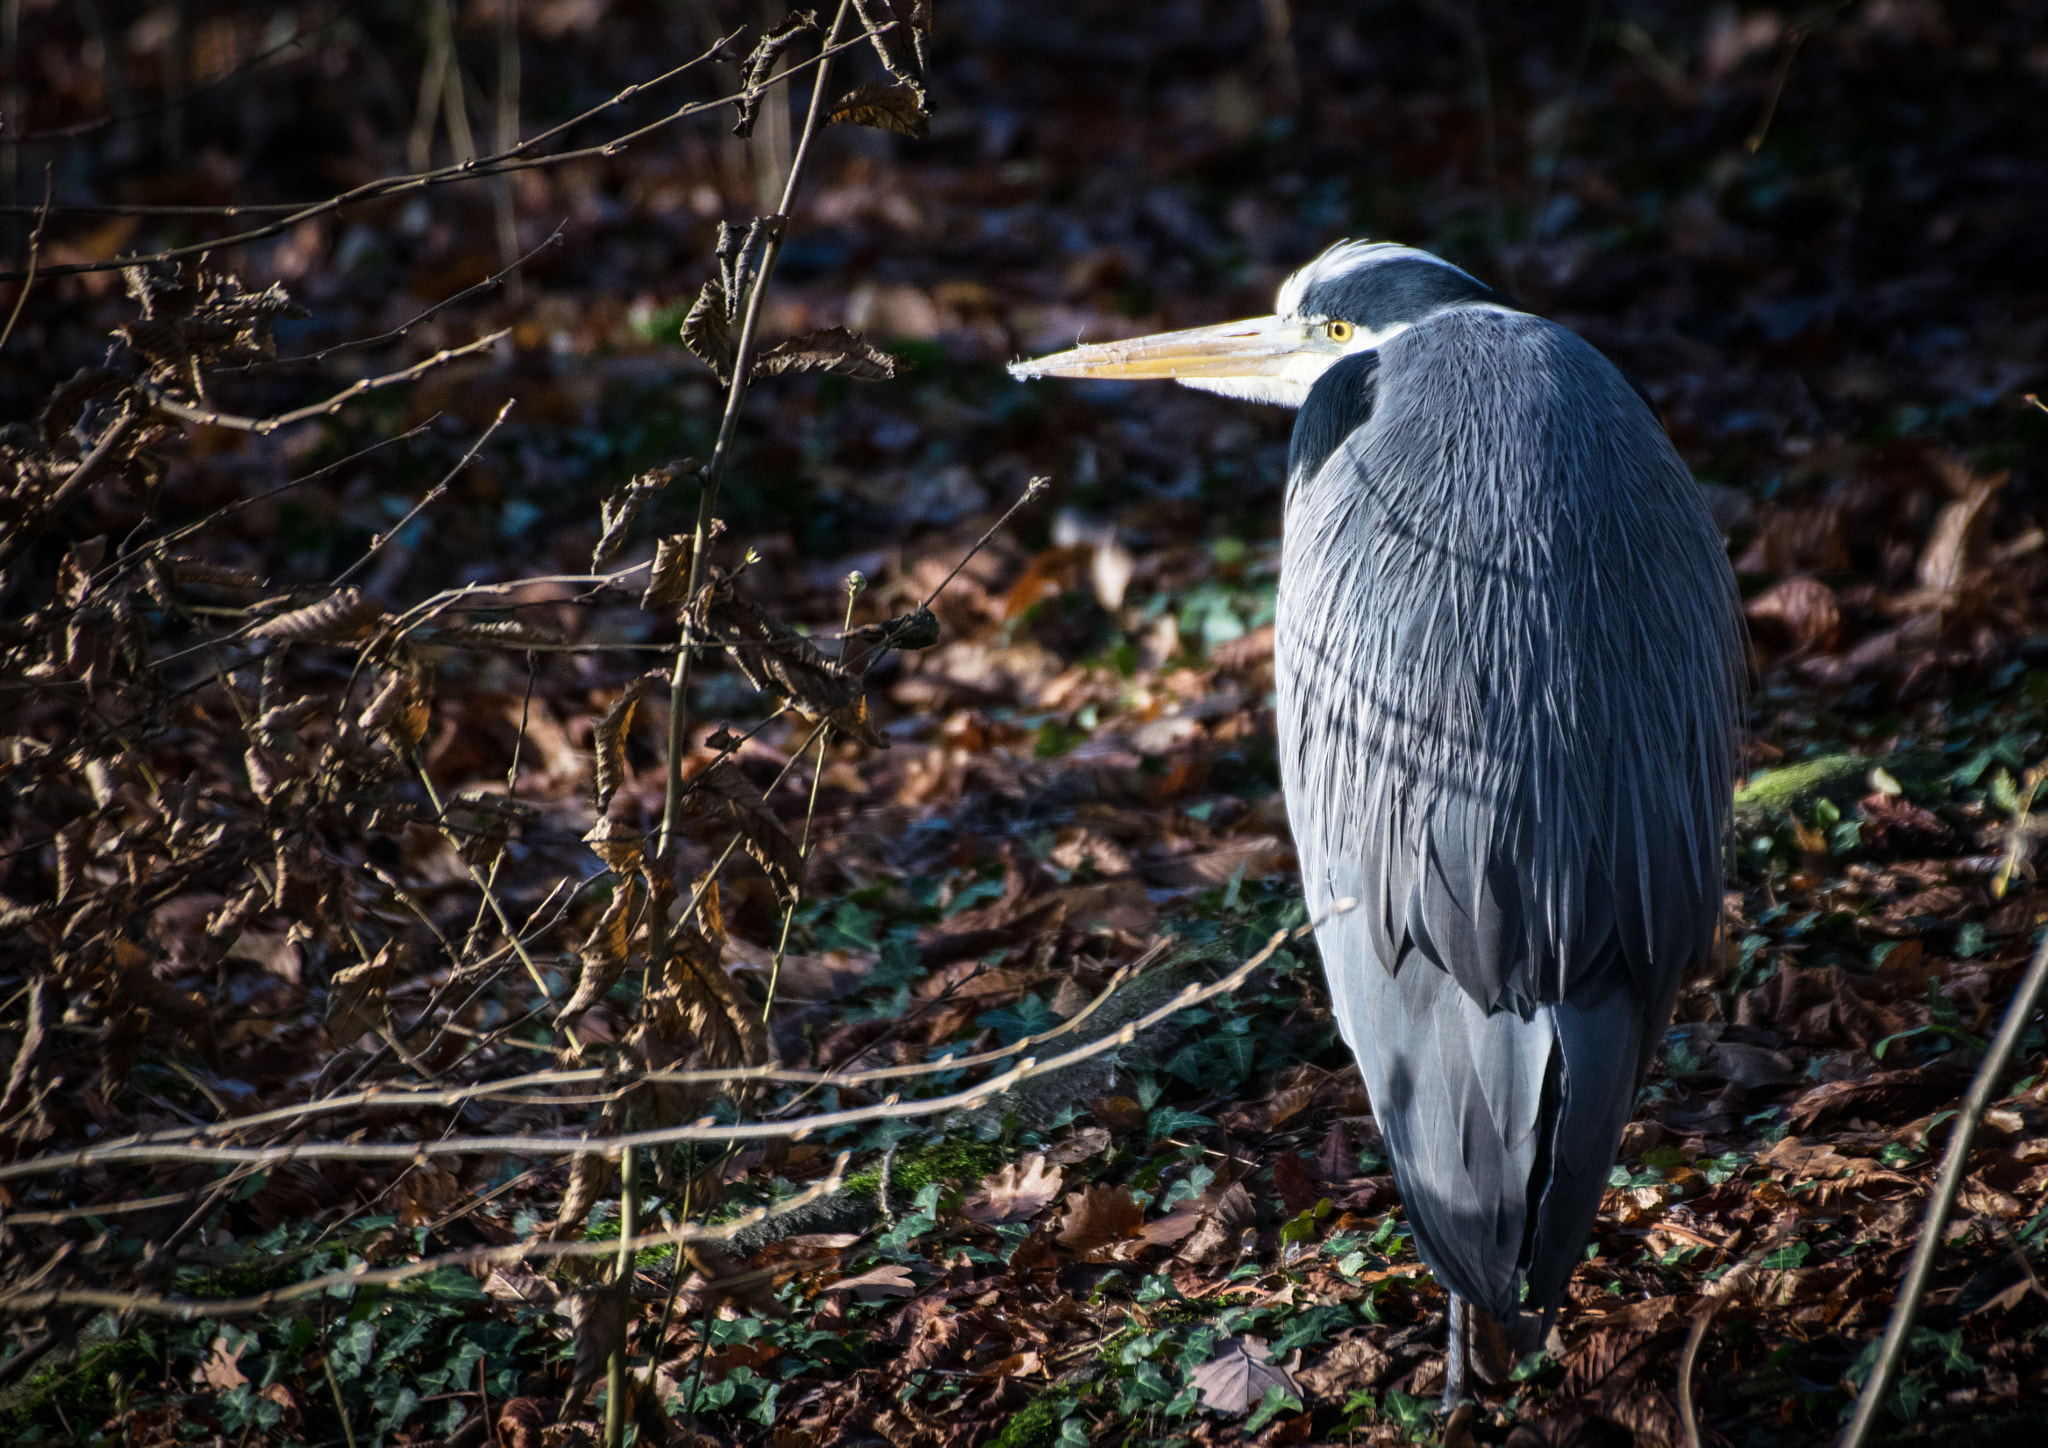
(1510, 662)
(1508, 659)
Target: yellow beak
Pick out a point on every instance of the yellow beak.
(1256, 347)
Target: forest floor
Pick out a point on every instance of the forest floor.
(321, 786)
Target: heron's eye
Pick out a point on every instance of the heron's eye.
(1339, 332)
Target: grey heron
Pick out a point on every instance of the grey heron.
(1510, 663)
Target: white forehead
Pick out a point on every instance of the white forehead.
(1345, 258)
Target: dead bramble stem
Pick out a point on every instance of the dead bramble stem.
(721, 453)
(1870, 1401)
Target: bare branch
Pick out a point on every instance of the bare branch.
(1870, 1401)
(702, 1131)
(433, 496)
(359, 344)
(514, 159)
(364, 1275)
(261, 426)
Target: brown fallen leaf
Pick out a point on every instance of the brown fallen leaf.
(1354, 1361)
(1335, 1160)
(1298, 1189)
(1014, 1195)
(1098, 1219)
(1087, 1141)
(1817, 1161)
(1879, 1095)
(1239, 1376)
(1804, 609)
(892, 1279)
(522, 1420)
(1219, 1241)
(220, 1370)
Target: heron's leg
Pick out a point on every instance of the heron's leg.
(1456, 1350)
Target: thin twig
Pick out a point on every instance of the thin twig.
(364, 1275)
(704, 1130)
(401, 331)
(1687, 1359)
(35, 251)
(1031, 490)
(99, 123)
(1794, 38)
(263, 426)
(490, 895)
(622, 1283)
(89, 467)
(383, 1099)
(1870, 1401)
(714, 471)
(433, 496)
(514, 160)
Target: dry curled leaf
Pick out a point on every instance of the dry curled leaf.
(603, 955)
(609, 740)
(722, 789)
(829, 349)
(892, 1279)
(707, 329)
(618, 512)
(507, 633)
(356, 996)
(668, 579)
(696, 1017)
(759, 67)
(898, 29)
(1238, 1378)
(398, 709)
(695, 1000)
(344, 616)
(590, 1177)
(895, 108)
(620, 848)
(777, 659)
(202, 572)
(597, 1323)
(521, 1422)
(918, 629)
(1014, 1194)
(1098, 1219)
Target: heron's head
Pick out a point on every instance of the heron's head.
(1355, 297)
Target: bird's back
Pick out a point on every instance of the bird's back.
(1509, 658)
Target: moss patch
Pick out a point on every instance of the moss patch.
(1036, 1426)
(1843, 778)
(914, 1170)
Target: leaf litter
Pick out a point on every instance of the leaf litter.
(254, 866)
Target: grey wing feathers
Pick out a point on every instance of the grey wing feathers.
(1509, 667)
(1509, 654)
